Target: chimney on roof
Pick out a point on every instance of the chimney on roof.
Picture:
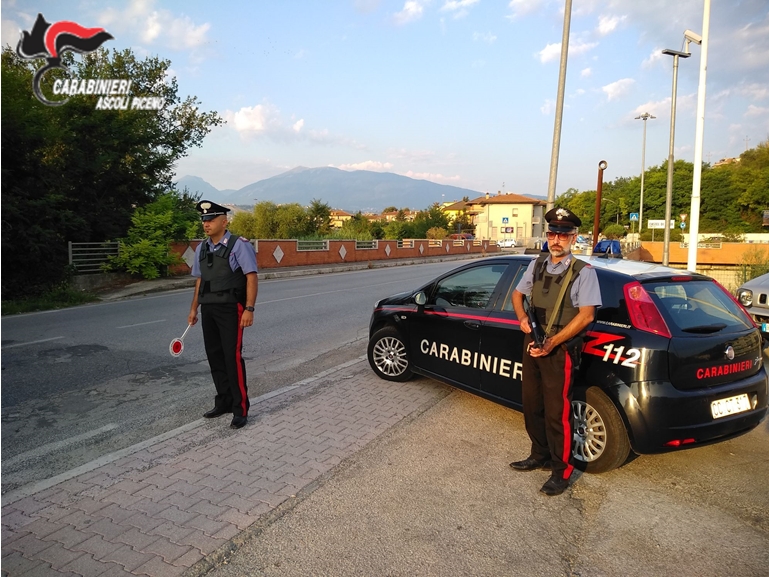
(487, 196)
(499, 193)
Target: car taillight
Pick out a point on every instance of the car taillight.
(738, 303)
(644, 314)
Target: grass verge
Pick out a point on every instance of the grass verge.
(57, 298)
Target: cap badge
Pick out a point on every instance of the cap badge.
(205, 205)
(561, 213)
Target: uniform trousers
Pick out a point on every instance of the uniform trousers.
(547, 392)
(223, 337)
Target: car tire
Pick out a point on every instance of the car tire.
(388, 355)
(600, 438)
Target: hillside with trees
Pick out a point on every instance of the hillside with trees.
(733, 195)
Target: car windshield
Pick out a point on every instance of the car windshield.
(698, 307)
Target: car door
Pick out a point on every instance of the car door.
(501, 345)
(445, 334)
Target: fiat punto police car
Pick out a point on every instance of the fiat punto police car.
(671, 360)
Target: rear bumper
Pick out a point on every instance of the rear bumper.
(657, 413)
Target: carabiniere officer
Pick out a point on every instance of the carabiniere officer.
(226, 289)
(564, 294)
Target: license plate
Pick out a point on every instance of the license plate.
(730, 406)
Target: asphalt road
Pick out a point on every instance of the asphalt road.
(82, 382)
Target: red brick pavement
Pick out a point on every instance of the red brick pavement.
(163, 508)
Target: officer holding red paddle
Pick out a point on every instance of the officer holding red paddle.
(226, 289)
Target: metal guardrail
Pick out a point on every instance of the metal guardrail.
(311, 245)
(406, 243)
(87, 257)
(366, 244)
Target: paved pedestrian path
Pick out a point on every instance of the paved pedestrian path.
(163, 507)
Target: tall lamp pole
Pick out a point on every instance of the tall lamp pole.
(559, 106)
(694, 223)
(645, 116)
(669, 193)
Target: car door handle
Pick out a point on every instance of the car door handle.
(472, 325)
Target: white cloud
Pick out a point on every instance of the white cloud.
(586, 72)
(523, 7)
(373, 165)
(655, 56)
(576, 48)
(608, 24)
(156, 26)
(618, 89)
(754, 91)
(412, 10)
(754, 110)
(435, 177)
(487, 37)
(547, 107)
(458, 8)
(297, 127)
(252, 118)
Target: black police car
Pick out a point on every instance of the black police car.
(671, 361)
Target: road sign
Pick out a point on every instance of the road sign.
(660, 223)
(633, 216)
(505, 220)
(682, 225)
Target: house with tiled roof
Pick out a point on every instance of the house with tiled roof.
(503, 216)
(338, 217)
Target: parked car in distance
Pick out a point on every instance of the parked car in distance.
(754, 296)
(506, 243)
(461, 236)
(671, 361)
(582, 243)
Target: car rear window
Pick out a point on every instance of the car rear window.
(697, 307)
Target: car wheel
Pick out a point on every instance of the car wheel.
(388, 356)
(600, 438)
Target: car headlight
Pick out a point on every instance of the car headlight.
(745, 296)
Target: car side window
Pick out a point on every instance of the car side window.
(508, 304)
(470, 288)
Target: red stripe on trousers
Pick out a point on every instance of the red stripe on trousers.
(566, 417)
(239, 363)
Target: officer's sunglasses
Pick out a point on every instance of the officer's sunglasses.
(560, 235)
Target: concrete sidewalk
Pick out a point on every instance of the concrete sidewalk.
(179, 503)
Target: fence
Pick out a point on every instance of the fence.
(87, 257)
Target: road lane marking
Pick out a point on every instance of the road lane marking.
(141, 324)
(31, 343)
(56, 446)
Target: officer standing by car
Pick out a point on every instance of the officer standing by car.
(226, 289)
(564, 294)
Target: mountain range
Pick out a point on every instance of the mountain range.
(351, 191)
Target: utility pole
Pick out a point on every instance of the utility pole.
(746, 143)
(645, 116)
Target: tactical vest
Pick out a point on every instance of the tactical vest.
(218, 282)
(545, 292)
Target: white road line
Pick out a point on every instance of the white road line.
(32, 488)
(56, 446)
(141, 324)
(32, 342)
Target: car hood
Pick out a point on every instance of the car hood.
(760, 282)
(398, 299)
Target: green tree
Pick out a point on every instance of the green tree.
(76, 173)
(145, 251)
(356, 227)
(319, 216)
(433, 217)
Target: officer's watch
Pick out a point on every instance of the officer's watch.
(250, 309)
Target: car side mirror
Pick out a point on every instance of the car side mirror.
(420, 298)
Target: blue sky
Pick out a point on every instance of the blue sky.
(458, 92)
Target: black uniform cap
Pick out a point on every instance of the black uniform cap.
(562, 220)
(210, 210)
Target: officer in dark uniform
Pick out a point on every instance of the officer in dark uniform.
(549, 371)
(225, 265)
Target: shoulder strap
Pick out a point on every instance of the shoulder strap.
(566, 281)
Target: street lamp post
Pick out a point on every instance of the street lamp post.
(645, 116)
(669, 191)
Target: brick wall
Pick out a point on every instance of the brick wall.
(284, 253)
